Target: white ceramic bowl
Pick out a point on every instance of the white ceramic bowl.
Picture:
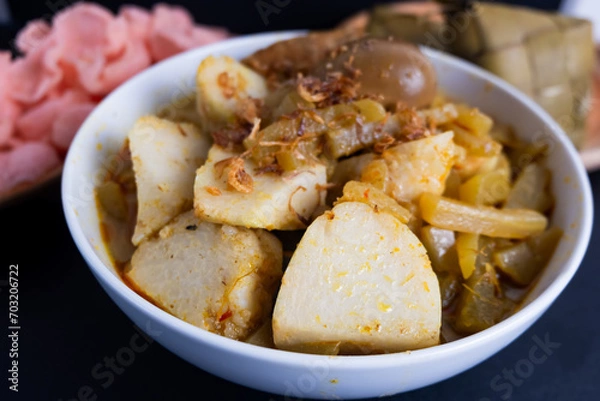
(313, 376)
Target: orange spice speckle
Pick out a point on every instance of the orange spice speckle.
(214, 191)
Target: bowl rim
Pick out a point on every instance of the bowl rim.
(520, 318)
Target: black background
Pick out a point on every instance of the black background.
(241, 16)
(69, 325)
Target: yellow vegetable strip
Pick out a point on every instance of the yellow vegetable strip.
(473, 120)
(475, 145)
(460, 216)
(467, 247)
(485, 189)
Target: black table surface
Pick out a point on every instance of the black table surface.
(69, 325)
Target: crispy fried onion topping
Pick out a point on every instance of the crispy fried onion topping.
(336, 88)
(232, 136)
(384, 143)
(412, 126)
(237, 177)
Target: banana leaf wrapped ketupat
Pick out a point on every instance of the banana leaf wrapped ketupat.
(548, 56)
(421, 23)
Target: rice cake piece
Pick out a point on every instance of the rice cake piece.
(417, 167)
(276, 202)
(217, 277)
(165, 157)
(225, 87)
(359, 282)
